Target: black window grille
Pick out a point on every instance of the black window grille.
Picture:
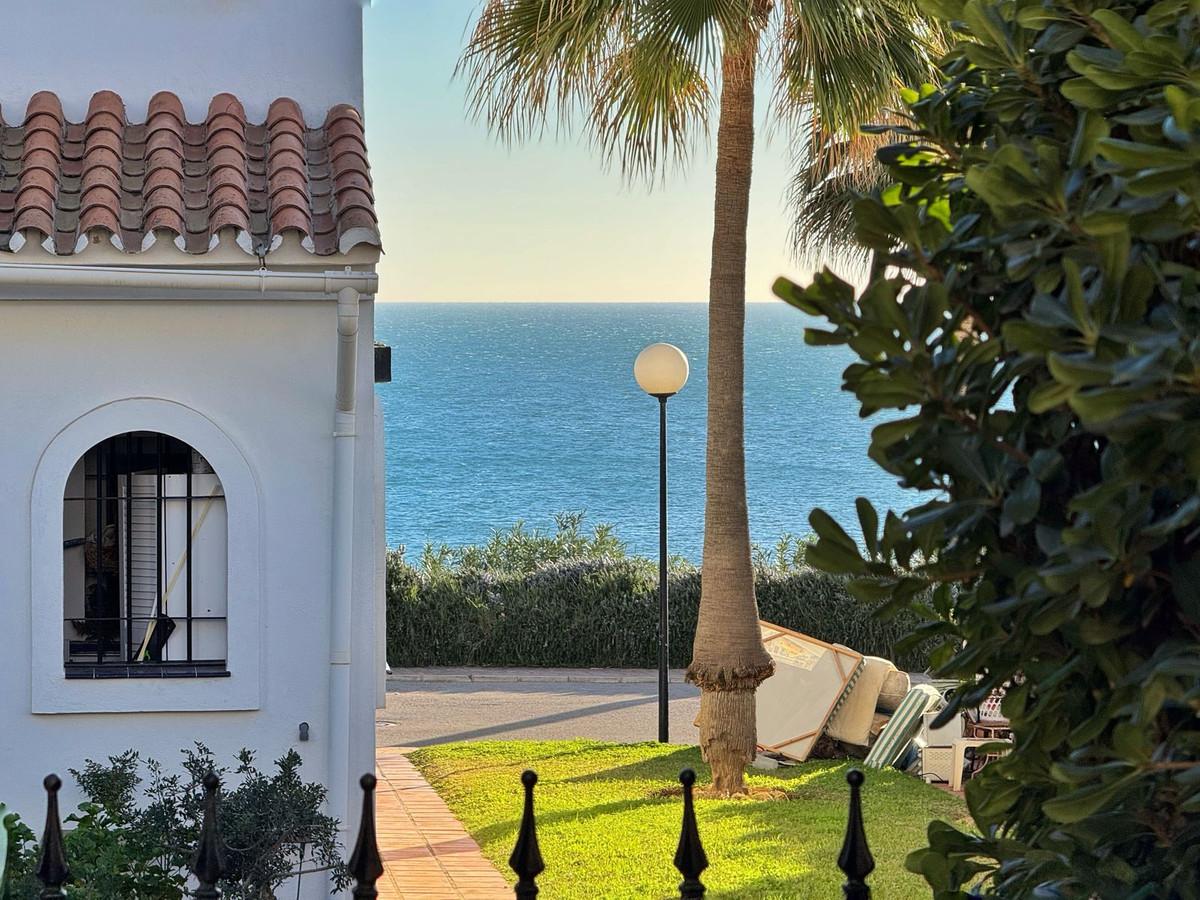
(145, 545)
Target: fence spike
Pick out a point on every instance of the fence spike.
(855, 860)
(208, 865)
(366, 866)
(690, 858)
(526, 860)
(52, 869)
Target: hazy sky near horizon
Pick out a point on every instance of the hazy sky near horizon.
(465, 217)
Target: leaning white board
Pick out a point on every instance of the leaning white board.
(811, 678)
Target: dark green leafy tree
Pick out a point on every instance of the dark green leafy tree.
(1031, 332)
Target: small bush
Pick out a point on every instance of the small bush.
(271, 826)
(532, 599)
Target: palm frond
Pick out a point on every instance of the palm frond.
(529, 60)
(823, 199)
(836, 72)
(659, 90)
(650, 99)
(640, 73)
(847, 64)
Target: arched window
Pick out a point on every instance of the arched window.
(145, 561)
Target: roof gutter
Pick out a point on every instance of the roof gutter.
(60, 277)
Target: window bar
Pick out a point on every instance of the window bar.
(158, 543)
(129, 466)
(113, 498)
(188, 557)
(101, 490)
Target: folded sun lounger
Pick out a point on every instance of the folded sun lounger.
(903, 726)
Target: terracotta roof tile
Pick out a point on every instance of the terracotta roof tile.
(44, 103)
(185, 180)
(166, 102)
(226, 104)
(285, 108)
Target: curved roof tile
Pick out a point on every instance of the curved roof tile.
(285, 108)
(166, 102)
(190, 179)
(45, 103)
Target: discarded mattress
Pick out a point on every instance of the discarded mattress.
(851, 724)
(903, 726)
(811, 679)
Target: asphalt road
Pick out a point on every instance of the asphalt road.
(423, 713)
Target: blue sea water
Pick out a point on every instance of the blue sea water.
(500, 412)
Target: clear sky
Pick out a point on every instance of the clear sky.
(466, 218)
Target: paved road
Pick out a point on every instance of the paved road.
(420, 713)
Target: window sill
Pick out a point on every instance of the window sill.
(107, 671)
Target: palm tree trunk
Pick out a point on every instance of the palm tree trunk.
(728, 657)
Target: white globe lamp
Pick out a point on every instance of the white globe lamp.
(661, 370)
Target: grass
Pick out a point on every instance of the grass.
(606, 831)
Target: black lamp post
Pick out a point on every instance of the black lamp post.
(661, 371)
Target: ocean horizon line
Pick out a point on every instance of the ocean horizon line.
(763, 302)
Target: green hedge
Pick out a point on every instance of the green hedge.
(600, 612)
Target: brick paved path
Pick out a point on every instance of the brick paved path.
(427, 854)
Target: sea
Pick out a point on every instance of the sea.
(507, 412)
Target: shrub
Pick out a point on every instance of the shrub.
(17, 851)
(599, 608)
(1034, 304)
(271, 826)
(108, 854)
(519, 549)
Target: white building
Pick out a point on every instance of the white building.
(191, 532)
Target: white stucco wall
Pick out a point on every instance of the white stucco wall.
(309, 50)
(262, 373)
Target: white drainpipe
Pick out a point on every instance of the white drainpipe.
(344, 435)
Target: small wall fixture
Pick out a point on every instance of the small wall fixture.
(383, 364)
(304, 731)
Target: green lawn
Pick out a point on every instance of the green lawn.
(605, 833)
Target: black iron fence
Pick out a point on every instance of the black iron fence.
(54, 872)
(366, 866)
(855, 859)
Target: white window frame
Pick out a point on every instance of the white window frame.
(52, 691)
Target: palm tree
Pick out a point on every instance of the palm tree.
(641, 77)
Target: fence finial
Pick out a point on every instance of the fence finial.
(208, 865)
(855, 859)
(526, 860)
(690, 858)
(366, 866)
(52, 869)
